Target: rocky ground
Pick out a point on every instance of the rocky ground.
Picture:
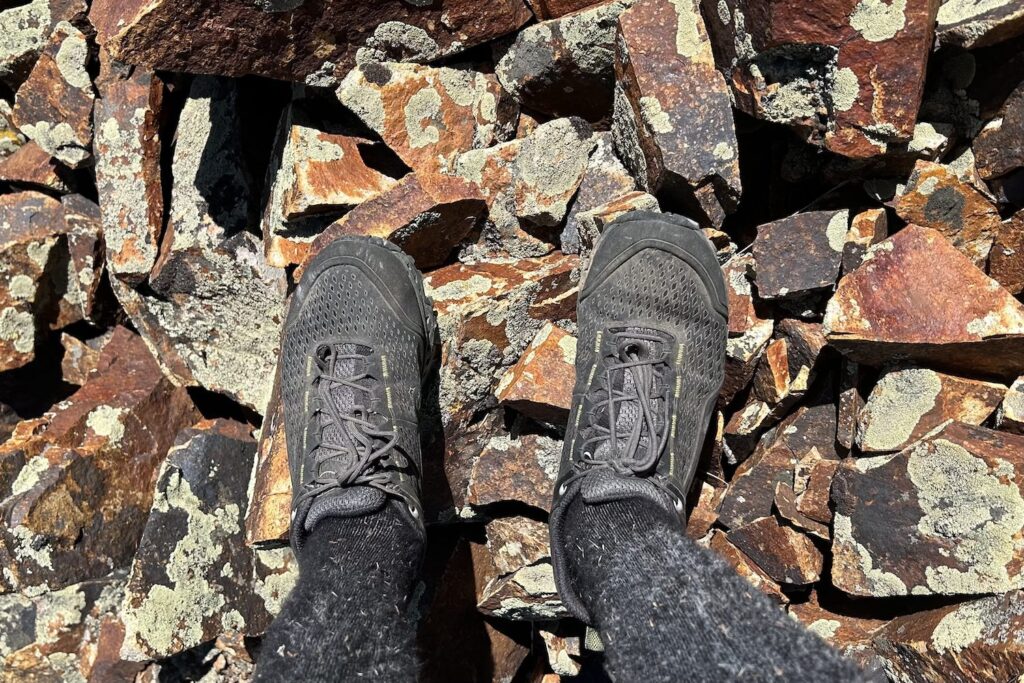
(166, 167)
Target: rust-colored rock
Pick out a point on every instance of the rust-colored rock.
(746, 567)
(521, 470)
(850, 633)
(788, 509)
(999, 147)
(907, 404)
(81, 358)
(801, 254)
(604, 177)
(673, 122)
(936, 198)
(918, 298)
(32, 167)
(516, 542)
(324, 39)
(751, 492)
(53, 108)
(813, 499)
(26, 26)
(551, 9)
(704, 513)
(744, 429)
(591, 223)
(268, 516)
(785, 555)
(540, 384)
(945, 516)
(528, 594)
(1006, 260)
(867, 228)
(427, 218)
(1011, 411)
(971, 25)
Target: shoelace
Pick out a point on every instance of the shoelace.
(369, 443)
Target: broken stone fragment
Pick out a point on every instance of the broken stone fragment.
(529, 184)
(563, 653)
(943, 517)
(516, 542)
(85, 260)
(565, 66)
(801, 254)
(867, 228)
(742, 354)
(552, 9)
(426, 218)
(672, 119)
(192, 575)
(738, 280)
(591, 223)
(604, 177)
(26, 27)
(33, 168)
(11, 138)
(969, 24)
(774, 381)
(326, 38)
(1006, 260)
(999, 148)
(813, 500)
(53, 108)
(789, 511)
(529, 594)
(540, 384)
(851, 401)
(847, 630)
(744, 429)
(907, 404)
(128, 175)
(522, 470)
(785, 555)
(936, 198)
(947, 313)
(80, 500)
(751, 492)
(745, 567)
(427, 115)
(1010, 417)
(81, 358)
(268, 515)
(704, 513)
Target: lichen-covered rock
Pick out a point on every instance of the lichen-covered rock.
(917, 298)
(53, 108)
(604, 177)
(785, 555)
(591, 223)
(324, 39)
(11, 138)
(427, 115)
(945, 516)
(1011, 411)
(848, 630)
(192, 575)
(551, 9)
(528, 594)
(565, 66)
(801, 254)
(742, 353)
(82, 300)
(268, 515)
(516, 542)
(866, 228)
(999, 147)
(1006, 260)
(971, 24)
(540, 384)
(31, 167)
(907, 404)
(672, 118)
(81, 358)
(25, 27)
(936, 198)
(520, 469)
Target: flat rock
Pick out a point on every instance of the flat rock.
(521, 469)
(540, 384)
(516, 542)
(31, 167)
(26, 27)
(943, 517)
(1006, 260)
(785, 555)
(326, 39)
(801, 254)
(528, 594)
(426, 217)
(971, 25)
(720, 544)
(866, 228)
(907, 404)
(550, 9)
(788, 510)
(751, 492)
(565, 66)
(604, 177)
(918, 298)
(999, 149)
(936, 198)
(268, 515)
(672, 120)
(813, 499)
(53, 107)
(591, 223)
(1010, 417)
(428, 116)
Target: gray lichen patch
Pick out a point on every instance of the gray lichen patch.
(894, 409)
(422, 114)
(24, 29)
(878, 20)
(107, 422)
(845, 89)
(398, 41)
(689, 43)
(849, 550)
(72, 57)
(363, 99)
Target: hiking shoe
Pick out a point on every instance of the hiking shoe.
(358, 344)
(650, 359)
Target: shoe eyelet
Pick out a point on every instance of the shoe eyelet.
(677, 503)
(562, 489)
(413, 511)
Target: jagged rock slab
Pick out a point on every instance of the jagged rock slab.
(999, 147)
(324, 39)
(81, 358)
(852, 397)
(851, 634)
(529, 184)
(704, 513)
(528, 594)
(970, 24)
(191, 577)
(591, 223)
(744, 429)
(813, 498)
(426, 216)
(604, 177)
(751, 492)
(785, 555)
(742, 353)
(739, 279)
(672, 118)
(31, 167)
(540, 384)
(801, 254)
(907, 404)
(551, 9)
(26, 27)
(565, 66)
(866, 228)
(53, 108)
(969, 641)
(1011, 411)
(745, 567)
(80, 484)
(427, 115)
(85, 259)
(563, 653)
(788, 510)
(918, 298)
(945, 517)
(516, 542)
(936, 198)
(11, 138)
(1006, 260)
(128, 176)
(268, 516)
(522, 470)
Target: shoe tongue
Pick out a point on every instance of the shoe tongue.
(343, 399)
(352, 501)
(628, 413)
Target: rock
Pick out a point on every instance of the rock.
(563, 653)
(812, 426)
(53, 108)
(11, 138)
(961, 642)
(83, 489)
(788, 510)
(326, 39)
(529, 184)
(785, 555)
(744, 429)
(427, 218)
(33, 168)
(745, 567)
(972, 25)
(943, 517)
(191, 577)
(801, 254)
(268, 515)
(947, 314)
(529, 594)
(999, 149)
(935, 198)
(313, 172)
(85, 259)
(704, 513)
(81, 358)
(128, 150)
(813, 500)
(739, 277)
(522, 470)
(851, 634)
(604, 177)
(751, 492)
(867, 228)
(742, 354)
(551, 9)
(565, 66)
(1010, 417)
(26, 27)
(907, 404)
(1006, 260)
(775, 381)
(428, 116)
(516, 542)
(540, 384)
(851, 402)
(672, 118)
(592, 223)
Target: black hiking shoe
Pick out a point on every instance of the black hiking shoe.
(358, 344)
(650, 360)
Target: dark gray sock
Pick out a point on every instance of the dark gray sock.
(345, 620)
(669, 610)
